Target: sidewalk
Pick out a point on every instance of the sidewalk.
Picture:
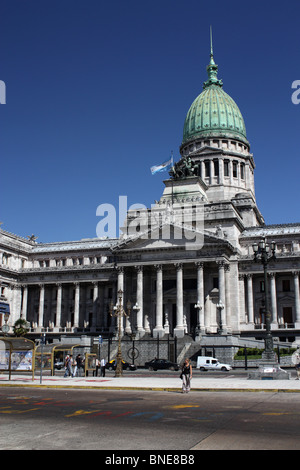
(130, 382)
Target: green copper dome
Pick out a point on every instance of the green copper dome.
(214, 113)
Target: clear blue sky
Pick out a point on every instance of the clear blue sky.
(97, 93)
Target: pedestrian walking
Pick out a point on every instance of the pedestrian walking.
(186, 376)
(74, 367)
(103, 366)
(68, 369)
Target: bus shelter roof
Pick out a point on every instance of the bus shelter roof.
(17, 344)
(49, 348)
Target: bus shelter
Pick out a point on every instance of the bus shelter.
(17, 354)
(52, 356)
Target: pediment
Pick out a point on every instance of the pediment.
(169, 236)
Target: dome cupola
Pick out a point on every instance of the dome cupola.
(214, 114)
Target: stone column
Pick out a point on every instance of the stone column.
(250, 299)
(297, 299)
(139, 299)
(230, 286)
(241, 298)
(120, 282)
(76, 305)
(221, 170)
(58, 306)
(274, 320)
(212, 171)
(158, 330)
(24, 303)
(120, 286)
(200, 295)
(16, 304)
(95, 303)
(179, 330)
(41, 305)
(222, 294)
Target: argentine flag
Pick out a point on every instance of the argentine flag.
(162, 167)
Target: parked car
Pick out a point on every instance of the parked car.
(158, 364)
(58, 365)
(111, 365)
(211, 363)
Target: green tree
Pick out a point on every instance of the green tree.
(20, 327)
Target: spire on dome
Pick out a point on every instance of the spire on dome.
(212, 68)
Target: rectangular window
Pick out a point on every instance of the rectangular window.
(207, 168)
(234, 169)
(226, 167)
(216, 167)
(242, 171)
(262, 286)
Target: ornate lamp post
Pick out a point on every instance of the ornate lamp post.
(263, 252)
(269, 368)
(119, 312)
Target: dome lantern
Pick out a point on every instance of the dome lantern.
(214, 113)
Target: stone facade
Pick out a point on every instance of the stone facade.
(186, 265)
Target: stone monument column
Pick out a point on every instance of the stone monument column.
(159, 330)
(179, 330)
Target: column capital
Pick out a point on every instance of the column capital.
(158, 267)
(295, 273)
(199, 264)
(227, 267)
(178, 266)
(221, 263)
(139, 268)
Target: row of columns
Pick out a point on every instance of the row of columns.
(273, 295)
(180, 328)
(58, 312)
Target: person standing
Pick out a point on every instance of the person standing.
(103, 364)
(95, 372)
(79, 364)
(186, 375)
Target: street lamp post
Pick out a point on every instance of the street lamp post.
(119, 312)
(264, 252)
(269, 368)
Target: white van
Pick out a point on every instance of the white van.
(211, 363)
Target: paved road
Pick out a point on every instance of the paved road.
(37, 418)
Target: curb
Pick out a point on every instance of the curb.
(141, 389)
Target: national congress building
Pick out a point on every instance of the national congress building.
(188, 270)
